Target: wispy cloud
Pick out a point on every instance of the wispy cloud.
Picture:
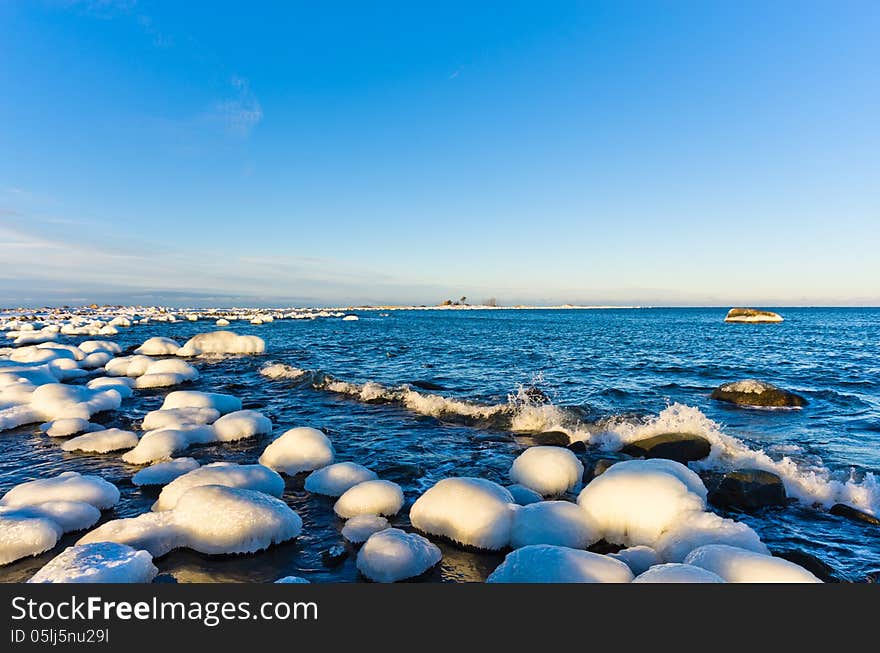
(239, 114)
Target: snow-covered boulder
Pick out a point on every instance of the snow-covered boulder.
(552, 522)
(68, 515)
(471, 511)
(638, 558)
(676, 572)
(155, 532)
(92, 346)
(104, 562)
(701, 528)
(249, 477)
(22, 536)
(103, 441)
(635, 501)
(358, 529)
(298, 450)
(222, 342)
(122, 384)
(543, 563)
(374, 497)
(61, 428)
(163, 473)
(549, 471)
(392, 555)
(68, 486)
(128, 366)
(166, 372)
(286, 580)
(178, 417)
(195, 399)
(158, 346)
(334, 480)
(59, 401)
(737, 565)
(162, 444)
(241, 424)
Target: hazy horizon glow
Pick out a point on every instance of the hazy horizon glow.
(598, 153)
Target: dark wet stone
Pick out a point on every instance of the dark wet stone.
(820, 569)
(843, 510)
(536, 395)
(602, 465)
(748, 489)
(334, 556)
(681, 447)
(769, 397)
(402, 471)
(165, 578)
(426, 385)
(604, 548)
(873, 576)
(546, 439)
(578, 446)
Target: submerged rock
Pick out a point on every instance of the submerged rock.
(820, 569)
(547, 439)
(752, 315)
(680, 447)
(760, 394)
(843, 510)
(749, 489)
(334, 556)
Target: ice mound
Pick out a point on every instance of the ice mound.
(210, 519)
(523, 495)
(635, 501)
(392, 555)
(370, 498)
(736, 565)
(194, 399)
(359, 529)
(334, 480)
(302, 449)
(68, 486)
(22, 536)
(249, 477)
(241, 424)
(131, 366)
(549, 471)
(178, 417)
(222, 322)
(60, 428)
(102, 441)
(282, 371)
(673, 572)
(123, 385)
(107, 346)
(68, 515)
(58, 401)
(158, 346)
(104, 562)
(162, 444)
(287, 580)
(163, 473)
(702, 528)
(166, 372)
(471, 511)
(543, 563)
(552, 522)
(222, 342)
(638, 558)
(217, 520)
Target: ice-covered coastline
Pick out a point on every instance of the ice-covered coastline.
(46, 379)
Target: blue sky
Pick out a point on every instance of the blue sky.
(668, 153)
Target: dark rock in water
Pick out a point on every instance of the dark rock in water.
(680, 447)
(749, 489)
(760, 394)
(546, 439)
(820, 569)
(752, 315)
(535, 395)
(843, 510)
(426, 385)
(334, 556)
(405, 472)
(604, 548)
(602, 466)
(873, 576)
(578, 446)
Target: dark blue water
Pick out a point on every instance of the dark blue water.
(601, 369)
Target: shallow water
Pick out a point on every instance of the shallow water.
(594, 365)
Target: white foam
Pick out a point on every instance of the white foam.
(278, 371)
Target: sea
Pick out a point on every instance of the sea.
(422, 395)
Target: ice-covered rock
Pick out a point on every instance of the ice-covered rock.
(638, 558)
(701, 528)
(155, 532)
(392, 555)
(301, 449)
(128, 366)
(22, 536)
(471, 511)
(60, 428)
(195, 399)
(543, 563)
(158, 346)
(523, 495)
(92, 346)
(676, 572)
(166, 372)
(163, 473)
(103, 562)
(162, 444)
(374, 497)
(737, 565)
(68, 486)
(178, 417)
(122, 384)
(635, 501)
(59, 401)
(333, 480)
(249, 477)
(751, 315)
(549, 471)
(552, 522)
(286, 580)
(102, 441)
(68, 515)
(241, 424)
(758, 394)
(358, 529)
(222, 342)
